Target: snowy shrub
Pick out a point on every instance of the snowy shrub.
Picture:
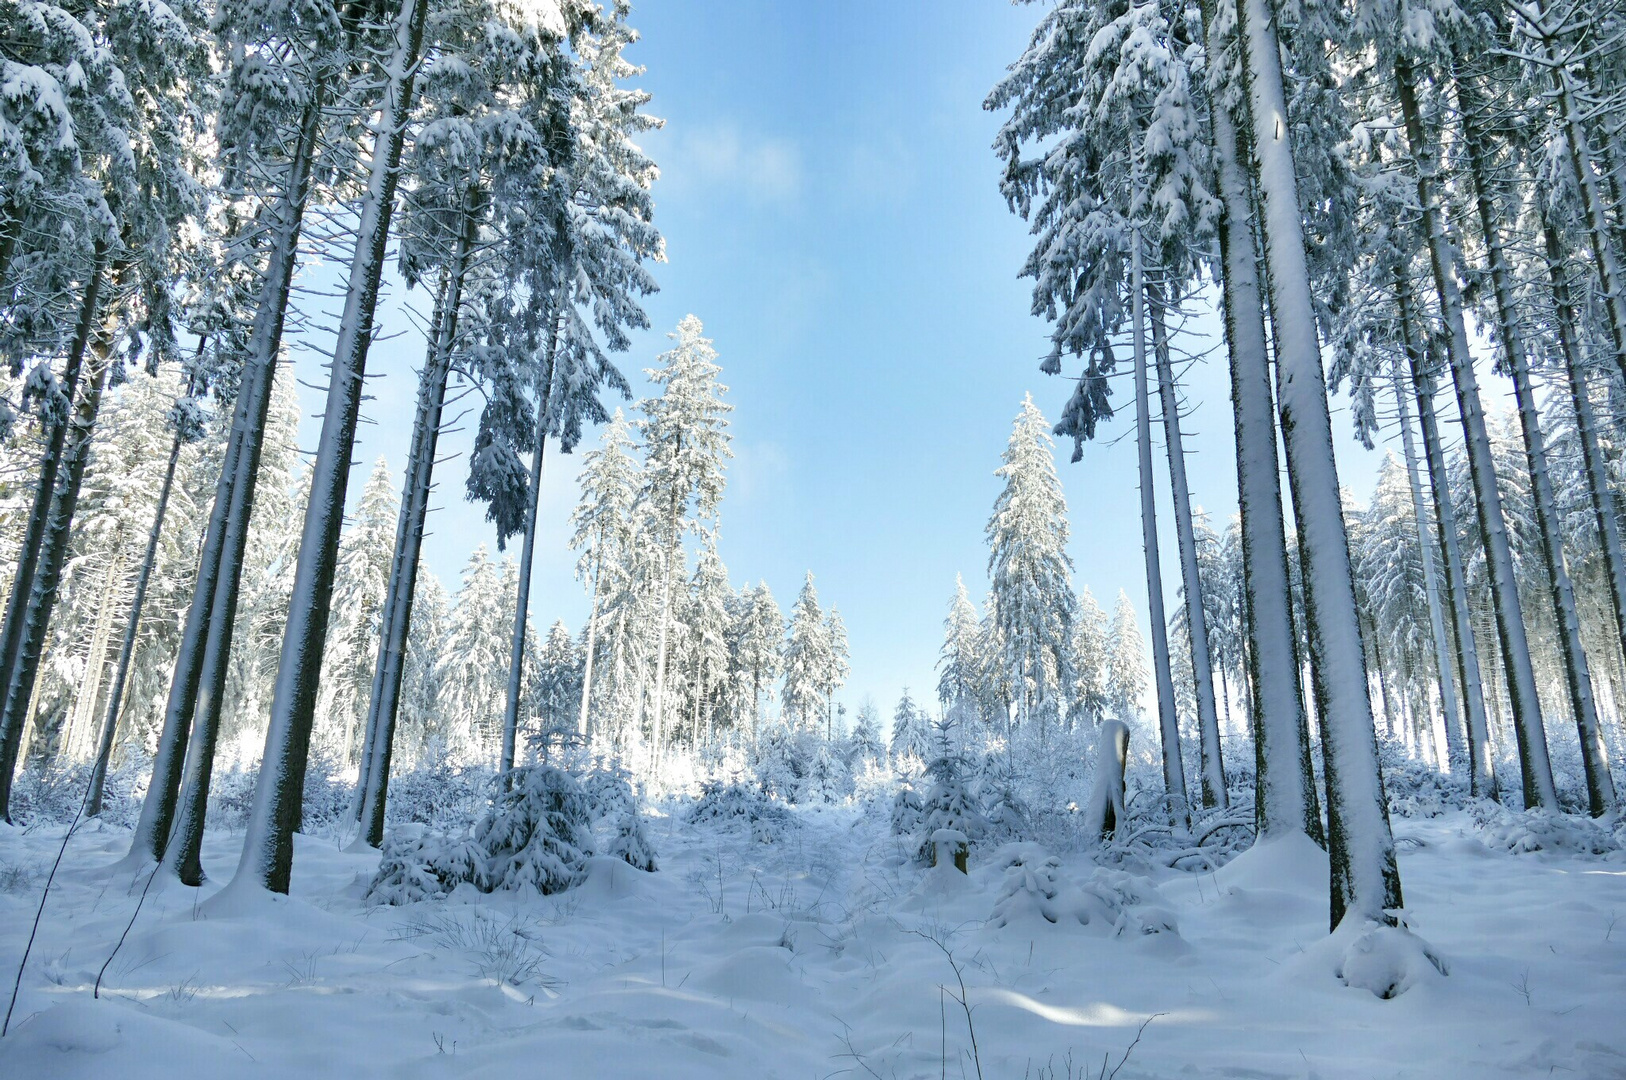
(631, 843)
(1525, 831)
(1006, 811)
(738, 803)
(327, 794)
(231, 794)
(827, 779)
(539, 833)
(1127, 903)
(419, 864)
(1029, 891)
(1414, 789)
(907, 811)
(1109, 900)
(608, 788)
(440, 794)
(55, 794)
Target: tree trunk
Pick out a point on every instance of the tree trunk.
(1365, 878)
(87, 695)
(1605, 505)
(183, 852)
(28, 555)
(516, 653)
(1481, 763)
(384, 706)
(53, 549)
(1285, 798)
(1528, 727)
(587, 661)
(153, 829)
(1212, 764)
(1572, 654)
(268, 846)
(132, 627)
(1594, 215)
(1455, 747)
(1174, 772)
(658, 727)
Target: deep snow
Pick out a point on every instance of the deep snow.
(823, 953)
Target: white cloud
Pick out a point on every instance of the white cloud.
(765, 169)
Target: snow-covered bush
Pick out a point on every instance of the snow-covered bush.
(996, 789)
(608, 787)
(1414, 789)
(828, 779)
(739, 803)
(907, 811)
(440, 794)
(1525, 831)
(421, 864)
(55, 794)
(1029, 891)
(631, 843)
(1110, 900)
(538, 835)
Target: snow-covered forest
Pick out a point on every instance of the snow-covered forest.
(1326, 789)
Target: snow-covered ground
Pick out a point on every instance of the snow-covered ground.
(823, 953)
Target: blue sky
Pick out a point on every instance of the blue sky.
(830, 205)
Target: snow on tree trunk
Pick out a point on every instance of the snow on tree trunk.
(1174, 772)
(1572, 654)
(132, 626)
(1529, 730)
(587, 661)
(1285, 796)
(516, 654)
(268, 844)
(1601, 493)
(1212, 764)
(53, 548)
(183, 851)
(1481, 763)
(1365, 878)
(385, 703)
(154, 827)
(28, 555)
(1105, 811)
(1540, 22)
(1455, 747)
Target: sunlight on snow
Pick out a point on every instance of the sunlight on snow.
(1094, 1014)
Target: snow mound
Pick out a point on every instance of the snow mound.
(1525, 831)
(1388, 961)
(1108, 900)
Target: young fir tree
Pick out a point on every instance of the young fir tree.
(685, 438)
(603, 534)
(836, 672)
(470, 666)
(911, 732)
(757, 638)
(1031, 574)
(958, 662)
(807, 661)
(358, 590)
(1091, 635)
(1126, 676)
